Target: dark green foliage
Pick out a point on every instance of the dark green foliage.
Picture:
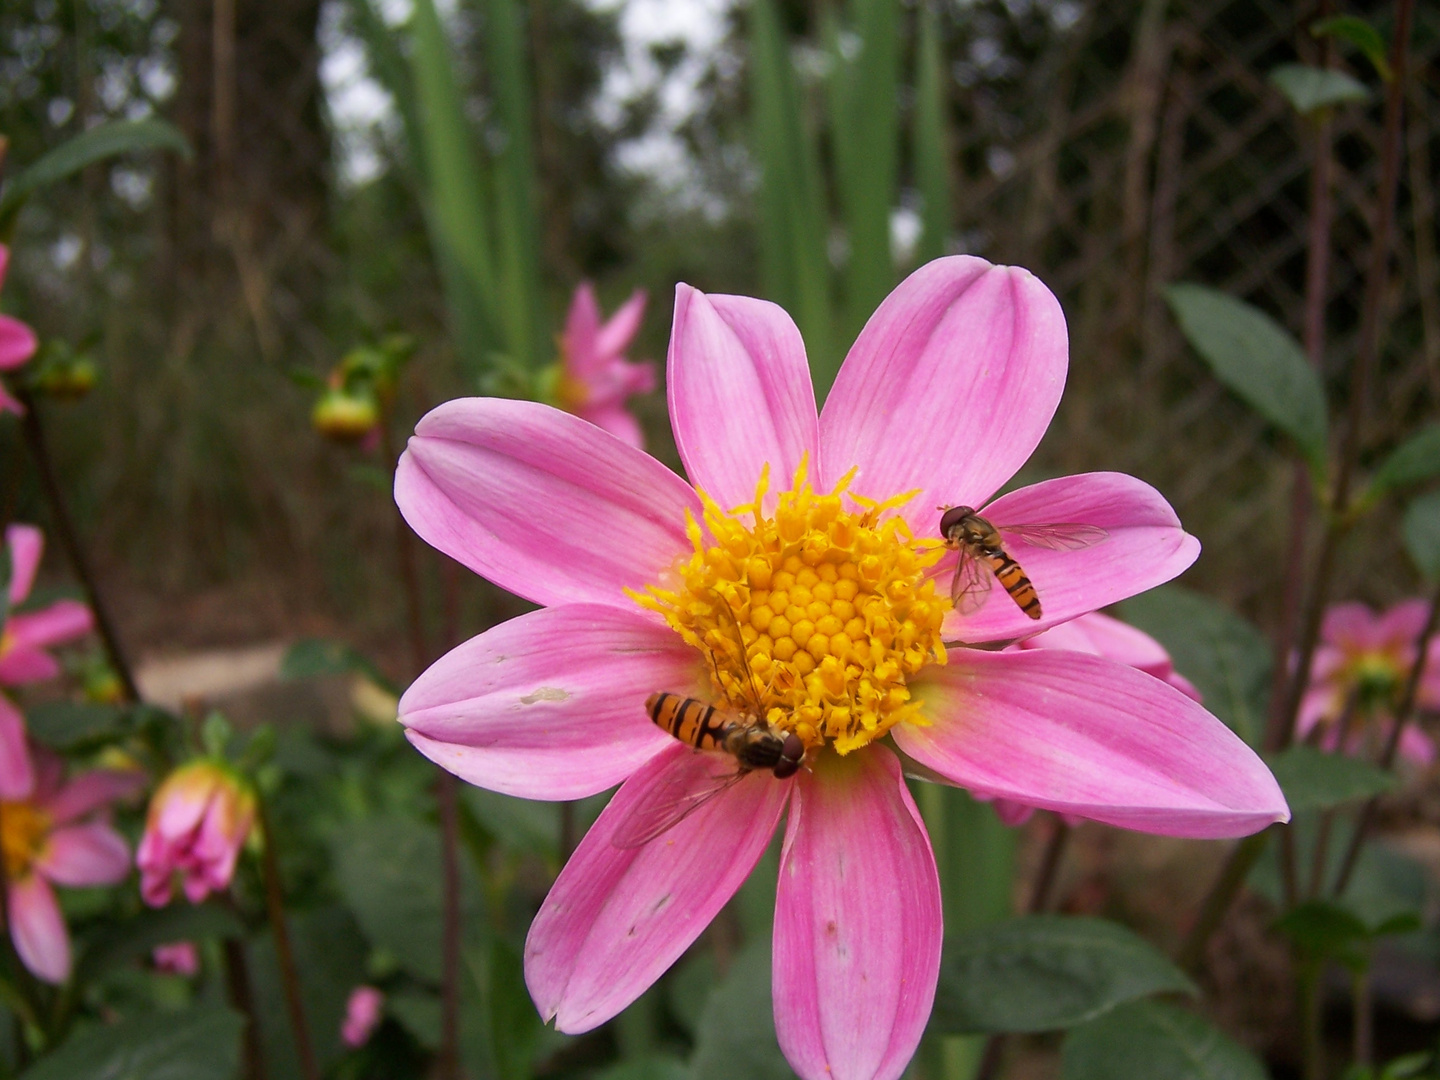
(1147, 1040)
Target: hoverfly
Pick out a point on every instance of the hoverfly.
(745, 738)
(983, 557)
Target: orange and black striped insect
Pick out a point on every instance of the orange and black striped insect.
(747, 742)
(983, 557)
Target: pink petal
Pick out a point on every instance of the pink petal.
(26, 544)
(582, 324)
(1403, 623)
(84, 855)
(38, 929)
(17, 343)
(1350, 626)
(550, 705)
(1417, 747)
(8, 403)
(949, 386)
(17, 774)
(20, 665)
(857, 922)
(617, 420)
(1145, 547)
(1086, 736)
(740, 394)
(620, 329)
(617, 918)
(92, 790)
(61, 622)
(541, 502)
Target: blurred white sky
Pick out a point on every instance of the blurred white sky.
(363, 113)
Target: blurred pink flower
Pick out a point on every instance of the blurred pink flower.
(595, 378)
(831, 582)
(362, 1014)
(199, 819)
(177, 958)
(17, 343)
(1099, 635)
(1369, 657)
(25, 637)
(56, 834)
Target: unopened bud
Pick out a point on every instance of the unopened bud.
(70, 378)
(345, 417)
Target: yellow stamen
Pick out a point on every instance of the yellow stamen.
(23, 829)
(831, 597)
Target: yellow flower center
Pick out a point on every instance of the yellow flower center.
(7, 641)
(1377, 677)
(22, 832)
(831, 599)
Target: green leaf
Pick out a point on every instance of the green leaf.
(864, 131)
(524, 825)
(1414, 461)
(198, 1044)
(932, 137)
(1225, 656)
(1043, 972)
(794, 259)
(73, 725)
(737, 1030)
(1322, 930)
(1259, 360)
(456, 208)
(137, 937)
(388, 870)
(97, 144)
(647, 1068)
(1311, 89)
(1362, 35)
(1315, 780)
(516, 1030)
(1146, 1040)
(311, 658)
(1421, 532)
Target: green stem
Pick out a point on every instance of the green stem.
(289, 974)
(1221, 895)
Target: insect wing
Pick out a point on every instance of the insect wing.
(680, 794)
(970, 585)
(1064, 536)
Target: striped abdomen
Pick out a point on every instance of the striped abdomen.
(1007, 571)
(694, 722)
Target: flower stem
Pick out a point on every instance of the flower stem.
(1313, 1044)
(70, 541)
(237, 981)
(448, 1066)
(1363, 1047)
(1392, 742)
(1049, 871)
(405, 556)
(289, 975)
(1221, 895)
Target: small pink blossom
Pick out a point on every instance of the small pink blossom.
(595, 379)
(1368, 657)
(177, 958)
(362, 1015)
(58, 834)
(199, 819)
(17, 343)
(820, 535)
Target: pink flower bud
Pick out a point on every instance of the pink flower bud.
(362, 1014)
(199, 819)
(177, 958)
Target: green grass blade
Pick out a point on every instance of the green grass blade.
(864, 129)
(931, 138)
(516, 218)
(793, 221)
(455, 202)
(389, 67)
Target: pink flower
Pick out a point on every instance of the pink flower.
(362, 1014)
(56, 834)
(828, 568)
(1099, 635)
(177, 958)
(199, 819)
(25, 637)
(595, 378)
(17, 343)
(1368, 657)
